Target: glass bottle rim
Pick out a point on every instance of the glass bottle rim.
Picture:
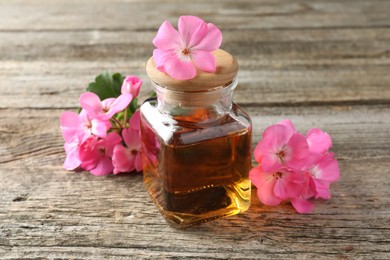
(228, 87)
(201, 98)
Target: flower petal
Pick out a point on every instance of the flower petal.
(319, 141)
(290, 126)
(178, 69)
(321, 189)
(85, 126)
(258, 177)
(89, 155)
(301, 205)
(135, 121)
(258, 153)
(167, 37)
(99, 128)
(329, 169)
(269, 146)
(289, 185)
(264, 183)
(131, 85)
(132, 139)
(309, 190)
(192, 30)
(122, 159)
(110, 142)
(118, 105)
(138, 162)
(103, 167)
(312, 160)
(160, 57)
(266, 193)
(299, 151)
(281, 189)
(280, 133)
(91, 103)
(211, 41)
(70, 125)
(271, 163)
(204, 60)
(72, 160)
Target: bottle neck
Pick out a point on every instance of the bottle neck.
(195, 105)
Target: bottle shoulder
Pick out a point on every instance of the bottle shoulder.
(180, 130)
(241, 115)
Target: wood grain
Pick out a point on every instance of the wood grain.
(59, 84)
(320, 63)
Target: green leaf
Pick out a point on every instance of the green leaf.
(117, 82)
(107, 85)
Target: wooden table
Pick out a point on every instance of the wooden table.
(320, 63)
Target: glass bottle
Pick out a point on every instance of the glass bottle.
(196, 146)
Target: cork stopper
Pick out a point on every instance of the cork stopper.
(225, 73)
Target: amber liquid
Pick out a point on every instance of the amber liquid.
(193, 171)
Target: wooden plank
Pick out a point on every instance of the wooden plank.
(357, 131)
(44, 84)
(46, 211)
(282, 44)
(292, 66)
(36, 175)
(142, 15)
(320, 63)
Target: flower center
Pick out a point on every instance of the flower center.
(102, 150)
(315, 171)
(277, 175)
(281, 154)
(185, 52)
(134, 152)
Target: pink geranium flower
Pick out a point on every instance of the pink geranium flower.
(294, 167)
(273, 187)
(95, 154)
(180, 53)
(72, 149)
(281, 147)
(129, 158)
(323, 171)
(82, 126)
(290, 128)
(131, 85)
(104, 110)
(302, 205)
(318, 141)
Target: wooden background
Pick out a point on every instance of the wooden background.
(322, 63)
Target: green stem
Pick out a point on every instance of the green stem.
(117, 122)
(125, 117)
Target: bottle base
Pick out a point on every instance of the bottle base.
(235, 200)
(183, 220)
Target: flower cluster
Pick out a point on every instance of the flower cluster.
(293, 166)
(181, 53)
(105, 136)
